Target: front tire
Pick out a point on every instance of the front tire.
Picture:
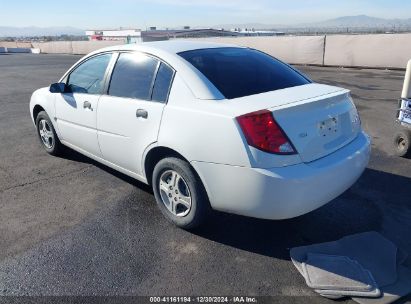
(402, 143)
(47, 134)
(179, 193)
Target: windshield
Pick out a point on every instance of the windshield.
(239, 72)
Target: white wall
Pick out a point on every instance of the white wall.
(379, 51)
(85, 47)
(376, 51)
(54, 47)
(73, 47)
(296, 49)
(11, 44)
(384, 51)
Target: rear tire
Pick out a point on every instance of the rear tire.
(179, 193)
(402, 143)
(47, 135)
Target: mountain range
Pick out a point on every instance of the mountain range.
(32, 31)
(361, 21)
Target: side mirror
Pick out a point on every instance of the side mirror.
(58, 88)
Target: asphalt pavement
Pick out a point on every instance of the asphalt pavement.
(72, 227)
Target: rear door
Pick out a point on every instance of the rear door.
(129, 116)
(76, 111)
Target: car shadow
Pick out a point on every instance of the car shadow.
(364, 207)
(367, 206)
(379, 201)
(73, 155)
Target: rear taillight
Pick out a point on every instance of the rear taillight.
(262, 132)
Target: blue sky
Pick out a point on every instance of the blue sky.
(143, 13)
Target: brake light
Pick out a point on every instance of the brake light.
(262, 132)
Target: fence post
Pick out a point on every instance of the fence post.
(324, 48)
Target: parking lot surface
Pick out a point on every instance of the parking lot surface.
(70, 226)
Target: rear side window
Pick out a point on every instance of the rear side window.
(239, 72)
(133, 76)
(163, 83)
(88, 77)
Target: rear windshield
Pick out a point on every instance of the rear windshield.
(238, 72)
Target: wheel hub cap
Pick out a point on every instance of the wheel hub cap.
(46, 134)
(175, 193)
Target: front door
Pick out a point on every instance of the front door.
(76, 111)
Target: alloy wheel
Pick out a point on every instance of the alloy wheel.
(175, 193)
(46, 134)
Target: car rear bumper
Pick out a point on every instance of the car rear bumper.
(287, 192)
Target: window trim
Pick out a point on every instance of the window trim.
(169, 85)
(153, 81)
(159, 62)
(111, 66)
(66, 76)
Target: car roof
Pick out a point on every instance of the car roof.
(168, 51)
(169, 46)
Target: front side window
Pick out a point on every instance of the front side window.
(88, 77)
(133, 76)
(239, 72)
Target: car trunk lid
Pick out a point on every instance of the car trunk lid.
(318, 119)
(319, 126)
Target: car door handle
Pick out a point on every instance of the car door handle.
(87, 105)
(141, 113)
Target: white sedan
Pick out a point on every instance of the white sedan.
(209, 126)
